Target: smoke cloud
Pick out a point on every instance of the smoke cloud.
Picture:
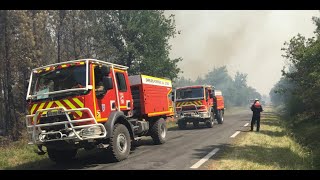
(245, 41)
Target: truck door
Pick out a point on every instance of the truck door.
(103, 103)
(209, 101)
(107, 102)
(124, 92)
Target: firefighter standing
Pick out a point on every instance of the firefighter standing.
(256, 108)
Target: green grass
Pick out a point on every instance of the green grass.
(306, 131)
(273, 148)
(18, 153)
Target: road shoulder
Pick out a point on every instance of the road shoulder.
(270, 149)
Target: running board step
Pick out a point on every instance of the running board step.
(137, 138)
(103, 146)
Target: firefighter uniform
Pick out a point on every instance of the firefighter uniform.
(256, 108)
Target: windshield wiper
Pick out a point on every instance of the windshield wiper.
(189, 98)
(80, 92)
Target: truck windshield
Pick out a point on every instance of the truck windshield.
(189, 93)
(57, 80)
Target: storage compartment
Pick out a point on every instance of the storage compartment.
(151, 95)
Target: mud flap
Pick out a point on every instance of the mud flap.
(40, 151)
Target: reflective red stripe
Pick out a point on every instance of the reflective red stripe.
(74, 103)
(67, 107)
(43, 107)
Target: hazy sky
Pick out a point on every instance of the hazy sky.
(248, 41)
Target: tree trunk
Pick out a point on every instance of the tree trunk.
(74, 39)
(61, 18)
(2, 125)
(129, 59)
(6, 76)
(58, 44)
(10, 115)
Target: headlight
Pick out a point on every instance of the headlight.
(91, 131)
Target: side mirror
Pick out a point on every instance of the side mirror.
(105, 70)
(172, 96)
(107, 83)
(211, 95)
(27, 84)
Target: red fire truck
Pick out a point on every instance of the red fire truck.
(198, 104)
(91, 103)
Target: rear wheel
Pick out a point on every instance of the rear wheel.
(62, 156)
(220, 117)
(159, 131)
(182, 124)
(120, 143)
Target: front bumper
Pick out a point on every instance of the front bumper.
(71, 130)
(194, 113)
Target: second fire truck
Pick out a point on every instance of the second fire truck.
(198, 104)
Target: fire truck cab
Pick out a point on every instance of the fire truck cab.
(197, 104)
(90, 103)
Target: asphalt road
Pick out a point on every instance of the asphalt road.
(183, 149)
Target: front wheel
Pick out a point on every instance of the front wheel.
(159, 131)
(210, 121)
(120, 143)
(62, 156)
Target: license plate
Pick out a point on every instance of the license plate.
(54, 113)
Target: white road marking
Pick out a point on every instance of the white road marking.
(246, 125)
(235, 134)
(203, 160)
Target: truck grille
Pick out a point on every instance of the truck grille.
(52, 119)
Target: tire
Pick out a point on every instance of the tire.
(159, 131)
(220, 117)
(195, 124)
(182, 124)
(62, 156)
(89, 148)
(210, 122)
(120, 143)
